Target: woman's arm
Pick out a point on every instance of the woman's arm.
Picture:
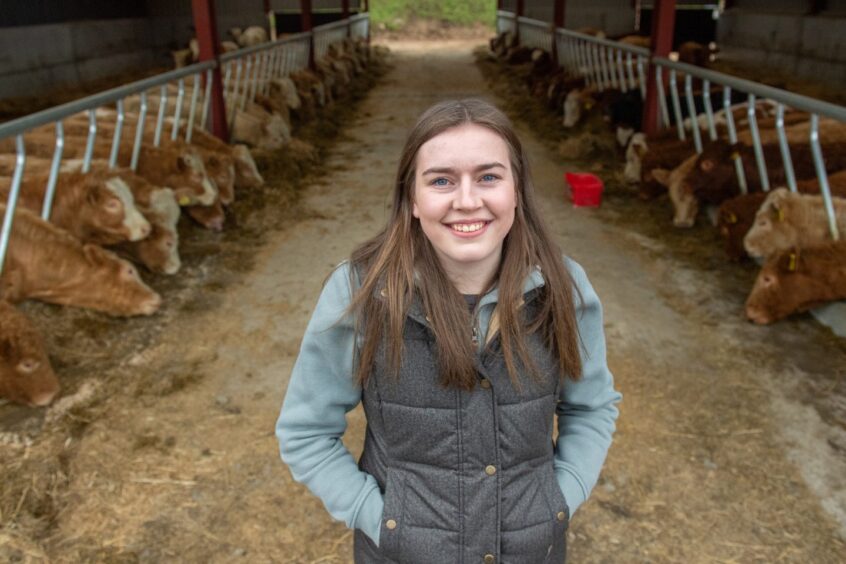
(312, 421)
(586, 407)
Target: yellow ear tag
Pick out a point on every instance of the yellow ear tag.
(732, 218)
(735, 155)
(779, 214)
(184, 200)
(791, 266)
(588, 104)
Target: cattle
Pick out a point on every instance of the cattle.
(26, 375)
(219, 165)
(735, 218)
(181, 170)
(211, 217)
(95, 208)
(46, 263)
(194, 50)
(694, 53)
(685, 206)
(253, 35)
(787, 220)
(797, 280)
(637, 40)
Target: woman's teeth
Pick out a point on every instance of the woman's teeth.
(468, 227)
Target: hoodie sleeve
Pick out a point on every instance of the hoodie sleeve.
(586, 408)
(312, 421)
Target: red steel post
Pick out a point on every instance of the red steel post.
(206, 25)
(557, 21)
(369, 23)
(305, 23)
(345, 14)
(663, 24)
(518, 15)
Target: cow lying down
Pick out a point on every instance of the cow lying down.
(47, 263)
(797, 280)
(25, 373)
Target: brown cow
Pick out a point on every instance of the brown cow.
(788, 220)
(685, 207)
(46, 263)
(797, 280)
(183, 171)
(25, 373)
(211, 217)
(95, 208)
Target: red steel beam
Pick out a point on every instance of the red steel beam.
(305, 23)
(557, 21)
(205, 25)
(663, 24)
(519, 13)
(345, 14)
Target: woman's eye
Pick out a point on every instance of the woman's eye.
(489, 177)
(440, 182)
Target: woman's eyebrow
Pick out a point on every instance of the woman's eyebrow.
(448, 170)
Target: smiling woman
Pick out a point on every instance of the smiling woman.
(465, 335)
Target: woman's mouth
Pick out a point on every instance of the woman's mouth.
(464, 229)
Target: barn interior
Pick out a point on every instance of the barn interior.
(152, 438)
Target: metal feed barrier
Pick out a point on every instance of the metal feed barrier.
(610, 64)
(247, 73)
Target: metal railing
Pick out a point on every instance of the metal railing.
(783, 100)
(247, 73)
(535, 33)
(602, 63)
(506, 21)
(611, 64)
(327, 34)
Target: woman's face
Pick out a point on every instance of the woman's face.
(464, 197)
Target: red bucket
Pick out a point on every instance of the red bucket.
(585, 189)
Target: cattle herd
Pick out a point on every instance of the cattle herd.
(105, 222)
(788, 232)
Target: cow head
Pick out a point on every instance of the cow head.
(572, 108)
(685, 204)
(714, 178)
(247, 174)
(221, 169)
(113, 286)
(772, 230)
(635, 151)
(785, 285)
(160, 251)
(25, 373)
(190, 181)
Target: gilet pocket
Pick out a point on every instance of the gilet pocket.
(392, 515)
(559, 516)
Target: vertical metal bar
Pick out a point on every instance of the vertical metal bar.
(756, 144)
(177, 113)
(662, 98)
(819, 165)
(47, 204)
(241, 99)
(160, 118)
(259, 61)
(691, 109)
(732, 135)
(12, 199)
(641, 78)
(789, 173)
(594, 65)
(139, 132)
(674, 97)
(92, 136)
(709, 110)
(234, 102)
(606, 72)
(207, 98)
(192, 112)
(621, 71)
(113, 156)
(630, 71)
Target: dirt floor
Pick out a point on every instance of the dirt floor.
(731, 444)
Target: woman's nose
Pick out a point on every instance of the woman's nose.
(466, 197)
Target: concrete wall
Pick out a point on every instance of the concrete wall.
(37, 59)
(811, 47)
(616, 17)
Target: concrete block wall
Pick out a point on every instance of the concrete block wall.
(811, 47)
(37, 59)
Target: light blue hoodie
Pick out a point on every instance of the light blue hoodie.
(322, 390)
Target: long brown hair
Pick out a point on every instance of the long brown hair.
(399, 263)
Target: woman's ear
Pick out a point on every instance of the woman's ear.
(414, 211)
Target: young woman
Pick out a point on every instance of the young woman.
(464, 332)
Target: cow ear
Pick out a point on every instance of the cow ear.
(778, 213)
(182, 163)
(93, 254)
(706, 165)
(28, 366)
